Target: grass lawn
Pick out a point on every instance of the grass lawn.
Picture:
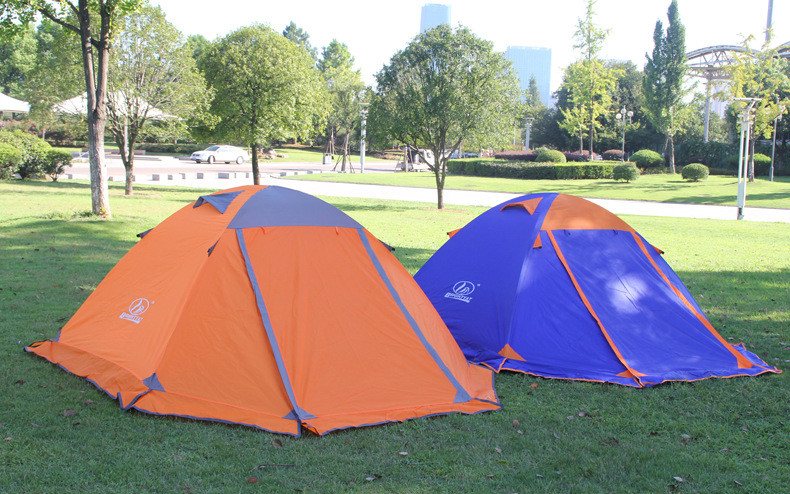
(662, 188)
(717, 435)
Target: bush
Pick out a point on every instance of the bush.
(710, 154)
(694, 172)
(646, 158)
(500, 168)
(762, 163)
(550, 156)
(612, 155)
(56, 161)
(516, 155)
(33, 150)
(626, 171)
(10, 157)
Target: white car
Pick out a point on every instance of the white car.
(227, 154)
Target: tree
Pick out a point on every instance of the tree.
(663, 80)
(55, 54)
(196, 45)
(17, 58)
(154, 76)
(344, 85)
(266, 88)
(301, 38)
(761, 74)
(81, 18)
(446, 86)
(589, 81)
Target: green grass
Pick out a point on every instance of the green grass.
(662, 188)
(52, 254)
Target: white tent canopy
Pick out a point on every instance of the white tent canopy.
(78, 106)
(11, 105)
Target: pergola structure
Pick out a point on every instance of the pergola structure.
(712, 64)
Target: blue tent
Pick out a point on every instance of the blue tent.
(556, 286)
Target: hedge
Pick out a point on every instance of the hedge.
(549, 171)
(516, 155)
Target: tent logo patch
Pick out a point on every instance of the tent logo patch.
(461, 291)
(136, 309)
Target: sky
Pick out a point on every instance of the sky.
(374, 30)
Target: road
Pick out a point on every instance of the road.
(156, 170)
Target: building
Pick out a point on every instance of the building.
(434, 14)
(531, 61)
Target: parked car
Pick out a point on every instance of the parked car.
(227, 154)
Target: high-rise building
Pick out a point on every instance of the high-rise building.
(531, 61)
(434, 14)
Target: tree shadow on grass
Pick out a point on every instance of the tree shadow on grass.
(753, 307)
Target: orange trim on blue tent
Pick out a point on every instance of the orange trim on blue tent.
(530, 205)
(591, 310)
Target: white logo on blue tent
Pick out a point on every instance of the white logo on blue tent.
(461, 291)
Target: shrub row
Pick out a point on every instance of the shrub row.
(157, 147)
(29, 156)
(528, 156)
(506, 169)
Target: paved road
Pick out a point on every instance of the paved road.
(181, 172)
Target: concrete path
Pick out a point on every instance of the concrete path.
(175, 172)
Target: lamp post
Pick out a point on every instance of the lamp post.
(621, 116)
(529, 131)
(363, 109)
(743, 156)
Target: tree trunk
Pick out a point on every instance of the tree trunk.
(592, 130)
(96, 90)
(345, 155)
(256, 177)
(671, 142)
(439, 171)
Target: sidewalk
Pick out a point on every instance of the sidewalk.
(216, 177)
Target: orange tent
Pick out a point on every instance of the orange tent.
(268, 307)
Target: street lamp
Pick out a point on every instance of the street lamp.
(743, 155)
(529, 131)
(363, 109)
(621, 116)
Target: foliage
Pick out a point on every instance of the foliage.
(536, 171)
(33, 151)
(613, 155)
(663, 81)
(550, 156)
(345, 87)
(590, 82)
(17, 58)
(267, 88)
(765, 75)
(10, 158)
(645, 158)
(196, 45)
(56, 161)
(712, 154)
(516, 155)
(694, 172)
(301, 38)
(445, 87)
(154, 77)
(626, 171)
(575, 157)
(56, 54)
